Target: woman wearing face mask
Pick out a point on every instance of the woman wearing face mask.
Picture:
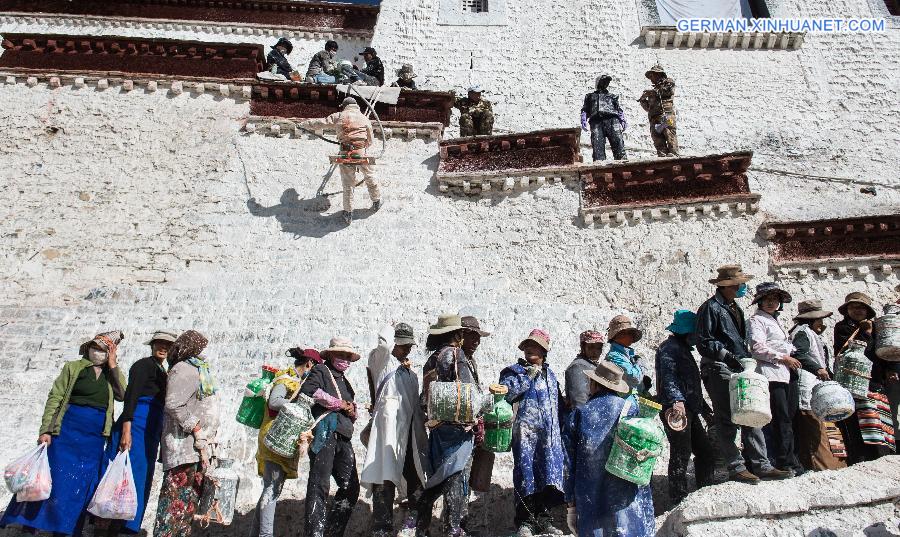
(331, 453)
(140, 426)
(810, 436)
(78, 417)
(273, 468)
(772, 349)
(190, 425)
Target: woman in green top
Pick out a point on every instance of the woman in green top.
(77, 419)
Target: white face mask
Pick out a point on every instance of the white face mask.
(96, 356)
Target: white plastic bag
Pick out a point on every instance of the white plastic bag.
(29, 476)
(116, 496)
(18, 471)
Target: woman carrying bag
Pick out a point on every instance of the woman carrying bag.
(190, 425)
(77, 420)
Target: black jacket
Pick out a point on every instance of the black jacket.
(601, 104)
(375, 69)
(677, 375)
(722, 334)
(277, 58)
(319, 379)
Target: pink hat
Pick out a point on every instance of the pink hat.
(592, 336)
(539, 336)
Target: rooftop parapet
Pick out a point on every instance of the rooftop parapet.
(25, 53)
(321, 16)
(692, 186)
(860, 245)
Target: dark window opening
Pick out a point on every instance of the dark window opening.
(475, 6)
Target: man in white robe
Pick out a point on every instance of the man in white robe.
(397, 438)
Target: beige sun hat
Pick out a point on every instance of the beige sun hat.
(811, 309)
(858, 298)
(609, 375)
(447, 322)
(162, 335)
(730, 275)
(622, 323)
(341, 344)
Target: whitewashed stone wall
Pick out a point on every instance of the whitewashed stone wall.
(131, 210)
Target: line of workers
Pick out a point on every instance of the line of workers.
(560, 443)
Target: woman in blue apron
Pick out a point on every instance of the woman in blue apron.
(77, 420)
(139, 427)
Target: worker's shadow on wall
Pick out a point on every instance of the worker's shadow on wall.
(303, 217)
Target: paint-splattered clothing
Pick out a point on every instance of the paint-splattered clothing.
(606, 505)
(537, 431)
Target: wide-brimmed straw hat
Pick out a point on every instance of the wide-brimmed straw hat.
(811, 309)
(730, 275)
(341, 344)
(448, 322)
(471, 324)
(771, 288)
(622, 323)
(103, 340)
(858, 298)
(162, 335)
(539, 336)
(609, 375)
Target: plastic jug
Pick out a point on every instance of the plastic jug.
(749, 396)
(457, 402)
(220, 487)
(637, 444)
(498, 422)
(832, 402)
(853, 370)
(293, 420)
(253, 406)
(887, 334)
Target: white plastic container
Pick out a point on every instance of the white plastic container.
(832, 402)
(887, 334)
(220, 488)
(749, 393)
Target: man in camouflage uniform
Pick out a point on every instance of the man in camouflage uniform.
(603, 117)
(476, 115)
(660, 107)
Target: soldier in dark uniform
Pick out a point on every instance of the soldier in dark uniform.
(476, 114)
(660, 107)
(602, 112)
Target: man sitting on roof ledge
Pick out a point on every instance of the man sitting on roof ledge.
(277, 62)
(323, 68)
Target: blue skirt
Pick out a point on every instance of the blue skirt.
(75, 456)
(146, 432)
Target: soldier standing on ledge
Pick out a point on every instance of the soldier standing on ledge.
(660, 107)
(476, 115)
(607, 121)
